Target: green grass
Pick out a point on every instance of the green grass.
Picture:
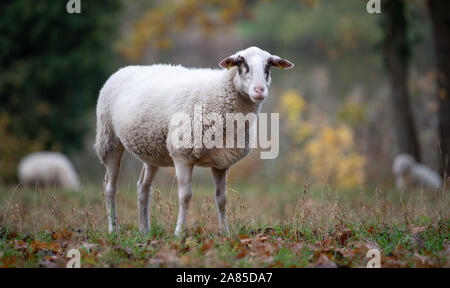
(273, 226)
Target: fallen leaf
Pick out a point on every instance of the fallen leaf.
(242, 253)
(342, 236)
(417, 229)
(324, 262)
(20, 245)
(206, 245)
(62, 235)
(44, 246)
(88, 246)
(245, 241)
(269, 231)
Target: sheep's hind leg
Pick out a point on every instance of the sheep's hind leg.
(112, 164)
(184, 175)
(220, 181)
(144, 187)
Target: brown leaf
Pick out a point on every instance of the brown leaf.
(262, 238)
(370, 244)
(245, 241)
(199, 231)
(67, 235)
(52, 261)
(324, 262)
(269, 231)
(44, 246)
(346, 253)
(206, 245)
(165, 256)
(48, 264)
(417, 229)
(88, 246)
(242, 253)
(423, 261)
(342, 236)
(8, 261)
(20, 245)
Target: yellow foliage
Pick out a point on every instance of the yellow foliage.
(293, 103)
(330, 150)
(332, 157)
(304, 131)
(159, 25)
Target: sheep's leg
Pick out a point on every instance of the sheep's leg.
(184, 175)
(220, 181)
(144, 187)
(112, 164)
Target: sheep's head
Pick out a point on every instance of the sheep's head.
(253, 71)
(402, 164)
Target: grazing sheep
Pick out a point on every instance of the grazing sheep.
(135, 110)
(408, 172)
(46, 169)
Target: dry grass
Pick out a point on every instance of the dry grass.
(271, 226)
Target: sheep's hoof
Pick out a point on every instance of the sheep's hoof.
(144, 230)
(179, 233)
(114, 229)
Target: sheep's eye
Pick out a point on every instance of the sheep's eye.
(267, 70)
(241, 63)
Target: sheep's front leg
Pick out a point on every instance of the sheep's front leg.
(144, 187)
(184, 175)
(220, 181)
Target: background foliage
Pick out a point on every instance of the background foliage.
(52, 65)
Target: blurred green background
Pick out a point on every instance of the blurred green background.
(339, 107)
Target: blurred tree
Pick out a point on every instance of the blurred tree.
(328, 33)
(397, 56)
(163, 20)
(52, 65)
(440, 17)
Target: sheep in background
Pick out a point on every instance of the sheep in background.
(134, 113)
(48, 169)
(408, 172)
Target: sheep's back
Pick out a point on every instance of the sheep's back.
(48, 168)
(147, 96)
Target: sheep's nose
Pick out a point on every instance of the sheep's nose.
(259, 90)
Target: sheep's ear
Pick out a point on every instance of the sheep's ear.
(280, 62)
(229, 62)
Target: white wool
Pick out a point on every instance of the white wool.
(136, 103)
(48, 168)
(408, 172)
(134, 113)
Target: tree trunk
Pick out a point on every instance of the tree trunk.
(440, 17)
(396, 53)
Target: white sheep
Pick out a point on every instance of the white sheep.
(47, 169)
(408, 172)
(135, 110)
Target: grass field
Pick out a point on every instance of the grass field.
(273, 226)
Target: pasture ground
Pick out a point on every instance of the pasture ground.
(271, 226)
